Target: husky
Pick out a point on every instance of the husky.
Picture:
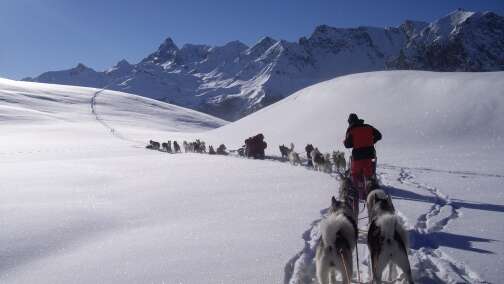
(337, 243)
(294, 156)
(176, 147)
(284, 151)
(327, 166)
(339, 161)
(211, 150)
(153, 145)
(349, 194)
(318, 160)
(164, 146)
(185, 145)
(387, 238)
(167, 147)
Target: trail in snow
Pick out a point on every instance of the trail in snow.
(429, 263)
(109, 128)
(459, 173)
(301, 267)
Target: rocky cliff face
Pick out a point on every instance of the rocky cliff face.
(234, 80)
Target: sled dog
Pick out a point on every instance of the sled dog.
(153, 145)
(294, 156)
(387, 238)
(337, 242)
(176, 147)
(168, 147)
(284, 151)
(339, 161)
(318, 160)
(327, 167)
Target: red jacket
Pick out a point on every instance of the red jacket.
(362, 137)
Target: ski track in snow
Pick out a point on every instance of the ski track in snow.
(109, 128)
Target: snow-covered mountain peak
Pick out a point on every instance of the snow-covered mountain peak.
(261, 46)
(121, 68)
(81, 68)
(233, 80)
(166, 53)
(168, 45)
(266, 41)
(123, 63)
(448, 25)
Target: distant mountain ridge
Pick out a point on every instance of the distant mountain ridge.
(234, 80)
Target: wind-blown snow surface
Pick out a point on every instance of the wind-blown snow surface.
(84, 202)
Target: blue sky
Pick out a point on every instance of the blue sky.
(43, 35)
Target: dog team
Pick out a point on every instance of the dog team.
(387, 238)
(196, 146)
(317, 160)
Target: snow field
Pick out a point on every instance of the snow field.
(83, 201)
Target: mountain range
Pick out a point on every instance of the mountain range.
(234, 80)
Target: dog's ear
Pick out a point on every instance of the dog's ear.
(335, 204)
(390, 201)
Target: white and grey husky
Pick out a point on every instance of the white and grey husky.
(337, 242)
(339, 161)
(387, 238)
(293, 156)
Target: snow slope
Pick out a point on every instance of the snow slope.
(84, 202)
(451, 117)
(441, 158)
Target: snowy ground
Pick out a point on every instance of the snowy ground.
(84, 202)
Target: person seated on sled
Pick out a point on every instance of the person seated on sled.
(361, 137)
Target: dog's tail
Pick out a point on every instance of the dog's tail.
(393, 230)
(337, 231)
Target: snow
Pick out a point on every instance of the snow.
(441, 154)
(444, 27)
(451, 116)
(84, 202)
